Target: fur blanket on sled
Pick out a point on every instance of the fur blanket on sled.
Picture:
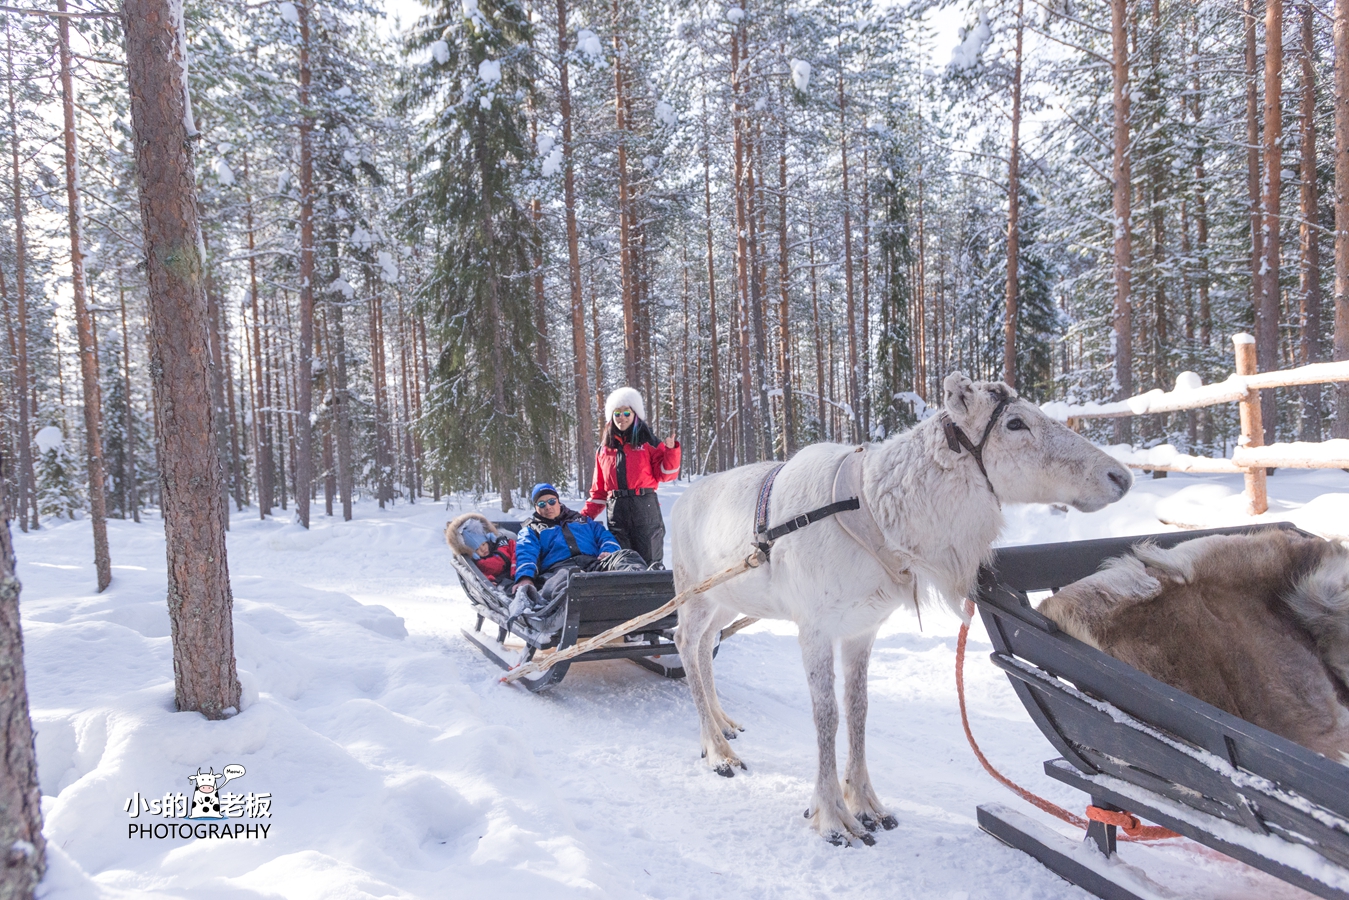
(1257, 625)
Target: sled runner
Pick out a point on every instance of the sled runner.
(1135, 744)
(596, 601)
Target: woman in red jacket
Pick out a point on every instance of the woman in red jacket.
(629, 465)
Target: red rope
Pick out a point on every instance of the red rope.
(1133, 829)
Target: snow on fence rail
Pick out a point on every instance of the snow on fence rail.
(1251, 457)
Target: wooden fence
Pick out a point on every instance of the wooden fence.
(1251, 457)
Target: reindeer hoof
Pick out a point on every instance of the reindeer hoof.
(725, 770)
(866, 821)
(836, 838)
(889, 823)
(867, 839)
(729, 734)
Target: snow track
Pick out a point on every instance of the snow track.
(399, 766)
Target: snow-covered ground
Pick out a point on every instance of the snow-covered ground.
(398, 766)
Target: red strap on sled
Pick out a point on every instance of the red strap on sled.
(1127, 822)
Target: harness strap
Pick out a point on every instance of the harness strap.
(956, 438)
(764, 537)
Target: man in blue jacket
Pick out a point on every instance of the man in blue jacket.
(557, 540)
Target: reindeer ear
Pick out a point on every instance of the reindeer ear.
(958, 390)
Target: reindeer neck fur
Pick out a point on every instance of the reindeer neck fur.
(937, 503)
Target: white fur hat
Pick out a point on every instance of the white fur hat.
(625, 396)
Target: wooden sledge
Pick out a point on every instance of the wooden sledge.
(1132, 743)
(596, 602)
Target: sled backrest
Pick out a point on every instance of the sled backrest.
(605, 599)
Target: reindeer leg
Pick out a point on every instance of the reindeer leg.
(828, 812)
(721, 618)
(695, 651)
(857, 791)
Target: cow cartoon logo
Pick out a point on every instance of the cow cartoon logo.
(206, 792)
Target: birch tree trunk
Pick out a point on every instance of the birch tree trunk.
(84, 323)
(199, 599)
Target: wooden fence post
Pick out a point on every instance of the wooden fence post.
(1252, 428)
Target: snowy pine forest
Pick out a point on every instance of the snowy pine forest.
(784, 223)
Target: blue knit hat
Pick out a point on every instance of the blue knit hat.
(474, 534)
(540, 489)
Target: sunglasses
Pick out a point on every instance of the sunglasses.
(544, 504)
(623, 414)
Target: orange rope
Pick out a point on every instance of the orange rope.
(1133, 829)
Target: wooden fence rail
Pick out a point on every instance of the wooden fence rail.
(1251, 457)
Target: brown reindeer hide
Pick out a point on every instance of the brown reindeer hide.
(1257, 625)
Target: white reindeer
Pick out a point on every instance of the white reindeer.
(929, 515)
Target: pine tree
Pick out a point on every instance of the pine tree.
(492, 408)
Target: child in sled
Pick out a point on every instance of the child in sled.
(491, 549)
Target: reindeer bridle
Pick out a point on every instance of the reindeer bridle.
(956, 438)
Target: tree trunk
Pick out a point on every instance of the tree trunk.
(262, 432)
(133, 501)
(1341, 38)
(585, 423)
(1267, 303)
(1123, 241)
(20, 798)
(717, 416)
(192, 503)
(1013, 214)
(1310, 232)
(219, 374)
(763, 420)
(304, 460)
(784, 311)
(27, 505)
(625, 254)
(853, 399)
(84, 323)
(819, 343)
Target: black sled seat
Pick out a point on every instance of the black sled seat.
(596, 602)
(1136, 744)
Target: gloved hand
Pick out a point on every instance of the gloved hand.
(528, 595)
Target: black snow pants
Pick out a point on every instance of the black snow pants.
(636, 523)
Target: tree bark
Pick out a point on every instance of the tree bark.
(853, 399)
(585, 423)
(262, 432)
(625, 253)
(1310, 232)
(84, 323)
(27, 506)
(784, 311)
(133, 500)
(1013, 213)
(717, 416)
(1341, 39)
(1267, 303)
(1123, 240)
(304, 461)
(20, 797)
(199, 599)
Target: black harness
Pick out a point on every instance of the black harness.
(956, 438)
(764, 537)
